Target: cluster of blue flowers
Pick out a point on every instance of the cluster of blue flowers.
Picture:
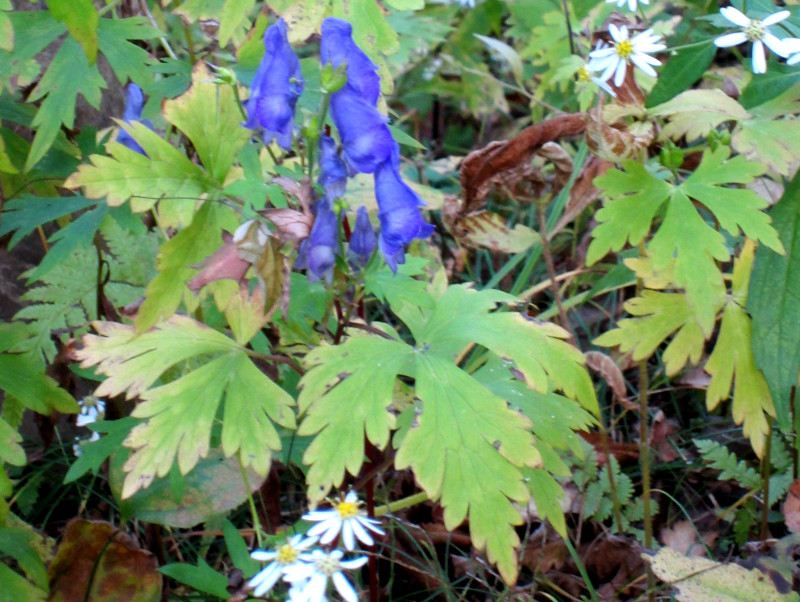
(367, 146)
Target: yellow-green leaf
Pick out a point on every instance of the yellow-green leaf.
(703, 580)
(80, 17)
(207, 113)
(695, 113)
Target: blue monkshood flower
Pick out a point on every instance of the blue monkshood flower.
(398, 212)
(365, 136)
(318, 252)
(275, 89)
(134, 102)
(337, 47)
(362, 240)
(333, 171)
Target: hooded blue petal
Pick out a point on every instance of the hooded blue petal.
(337, 46)
(362, 241)
(276, 87)
(365, 136)
(333, 172)
(398, 212)
(318, 251)
(134, 102)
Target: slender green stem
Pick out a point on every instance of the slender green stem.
(323, 112)
(644, 450)
(253, 512)
(581, 569)
(164, 43)
(551, 271)
(765, 471)
(238, 98)
(612, 485)
(569, 26)
(401, 504)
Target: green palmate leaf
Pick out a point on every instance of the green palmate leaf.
(94, 453)
(127, 60)
(661, 315)
(16, 587)
(733, 357)
(697, 245)
(207, 113)
(20, 544)
(68, 74)
(180, 413)
(165, 173)
(80, 17)
(703, 580)
(175, 260)
(774, 304)
(363, 370)
(695, 113)
(464, 435)
(635, 196)
(467, 449)
(685, 241)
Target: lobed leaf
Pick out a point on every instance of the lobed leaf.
(658, 316)
(695, 113)
(347, 395)
(467, 449)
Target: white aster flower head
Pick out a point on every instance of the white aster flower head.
(280, 558)
(755, 31)
(346, 517)
(631, 3)
(586, 75)
(614, 59)
(309, 578)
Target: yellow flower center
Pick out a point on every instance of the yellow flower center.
(287, 554)
(347, 510)
(624, 49)
(755, 31)
(583, 74)
(327, 565)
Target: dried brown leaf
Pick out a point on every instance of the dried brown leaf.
(791, 507)
(611, 373)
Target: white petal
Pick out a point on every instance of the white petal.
(632, 5)
(606, 75)
(355, 563)
(777, 46)
(600, 83)
(792, 45)
(637, 60)
(646, 58)
(362, 534)
(602, 53)
(343, 587)
(297, 572)
(794, 60)
(619, 76)
(371, 524)
(759, 58)
(649, 47)
(269, 577)
(730, 39)
(616, 33)
(347, 534)
(776, 18)
(315, 590)
(318, 515)
(735, 16)
(351, 497)
(263, 555)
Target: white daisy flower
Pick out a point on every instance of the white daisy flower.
(311, 577)
(585, 74)
(631, 3)
(755, 31)
(280, 559)
(614, 60)
(345, 516)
